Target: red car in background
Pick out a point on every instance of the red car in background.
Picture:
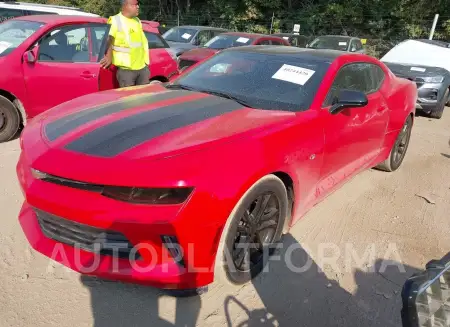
(224, 41)
(49, 59)
(179, 184)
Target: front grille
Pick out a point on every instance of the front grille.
(186, 63)
(85, 237)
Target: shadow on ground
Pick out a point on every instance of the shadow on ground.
(290, 298)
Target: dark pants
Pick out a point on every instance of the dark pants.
(128, 77)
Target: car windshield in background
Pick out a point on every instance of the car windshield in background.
(179, 34)
(227, 41)
(332, 43)
(14, 32)
(259, 80)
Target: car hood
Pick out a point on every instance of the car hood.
(198, 54)
(414, 72)
(133, 126)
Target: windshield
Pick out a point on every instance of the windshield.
(228, 41)
(260, 80)
(14, 32)
(332, 43)
(179, 34)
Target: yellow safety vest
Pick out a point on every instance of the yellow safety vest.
(124, 49)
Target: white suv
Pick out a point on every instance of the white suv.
(11, 9)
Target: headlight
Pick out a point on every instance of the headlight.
(137, 195)
(148, 195)
(433, 79)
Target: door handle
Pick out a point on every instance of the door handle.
(88, 75)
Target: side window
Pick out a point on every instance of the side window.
(7, 13)
(155, 41)
(375, 76)
(66, 44)
(355, 46)
(203, 37)
(350, 77)
(98, 34)
(276, 42)
(263, 42)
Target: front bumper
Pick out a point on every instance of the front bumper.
(142, 226)
(430, 96)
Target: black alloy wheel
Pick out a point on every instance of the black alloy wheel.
(255, 231)
(251, 232)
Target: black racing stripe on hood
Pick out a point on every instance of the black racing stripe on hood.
(124, 134)
(70, 122)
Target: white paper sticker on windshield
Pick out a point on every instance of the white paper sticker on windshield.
(186, 36)
(286, 37)
(418, 69)
(4, 46)
(242, 40)
(342, 43)
(293, 74)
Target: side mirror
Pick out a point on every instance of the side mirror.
(348, 99)
(425, 295)
(29, 57)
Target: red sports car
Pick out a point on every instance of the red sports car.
(225, 41)
(175, 185)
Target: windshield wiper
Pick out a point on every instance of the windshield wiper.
(218, 93)
(227, 96)
(180, 87)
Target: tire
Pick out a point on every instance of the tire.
(395, 159)
(437, 114)
(271, 190)
(9, 120)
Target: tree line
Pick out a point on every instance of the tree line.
(388, 20)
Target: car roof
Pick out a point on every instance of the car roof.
(247, 34)
(60, 19)
(342, 37)
(324, 54)
(61, 10)
(201, 27)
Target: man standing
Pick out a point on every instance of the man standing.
(127, 46)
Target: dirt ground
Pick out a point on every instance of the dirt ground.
(375, 216)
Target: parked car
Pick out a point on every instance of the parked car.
(199, 183)
(224, 41)
(183, 38)
(48, 59)
(428, 65)
(296, 40)
(337, 42)
(12, 9)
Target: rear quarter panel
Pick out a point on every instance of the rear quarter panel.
(401, 96)
(162, 64)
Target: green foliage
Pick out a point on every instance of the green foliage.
(389, 20)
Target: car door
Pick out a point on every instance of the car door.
(162, 62)
(66, 66)
(354, 136)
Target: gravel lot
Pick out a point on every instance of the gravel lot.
(377, 211)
